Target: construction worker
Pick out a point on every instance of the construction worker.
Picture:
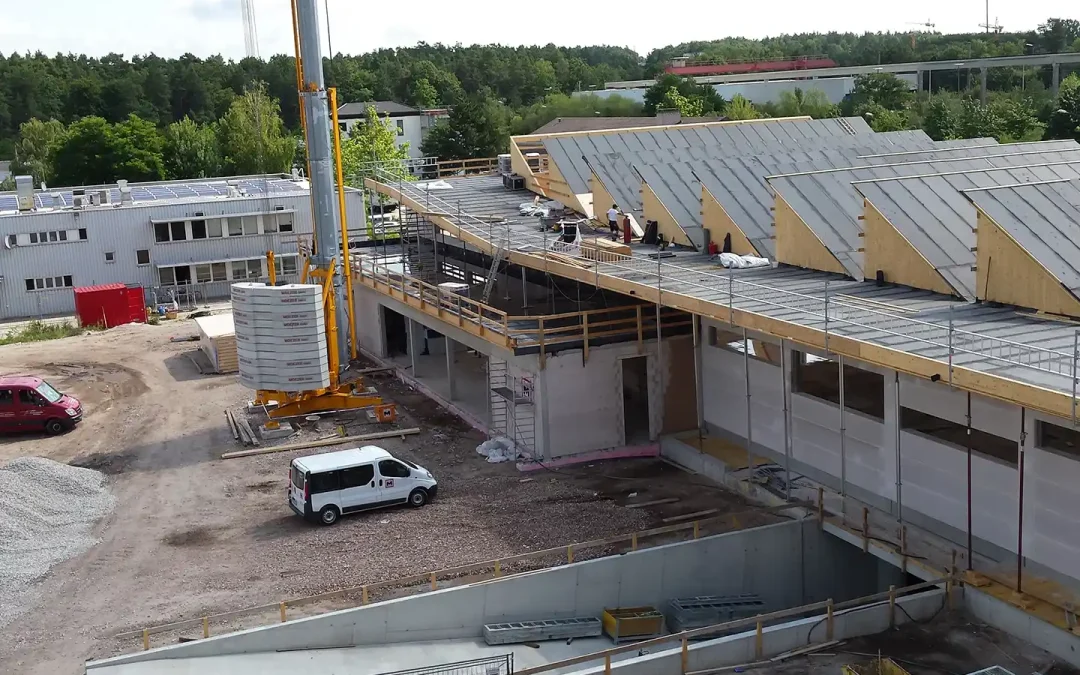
(613, 221)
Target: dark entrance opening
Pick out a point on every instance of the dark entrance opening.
(397, 334)
(635, 395)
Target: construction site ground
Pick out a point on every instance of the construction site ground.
(193, 534)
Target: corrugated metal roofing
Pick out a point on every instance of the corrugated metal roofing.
(932, 214)
(568, 152)
(825, 200)
(1044, 218)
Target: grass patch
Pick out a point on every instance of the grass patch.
(37, 331)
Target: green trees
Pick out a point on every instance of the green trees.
(531, 118)
(740, 109)
(477, 127)
(191, 150)
(699, 98)
(94, 151)
(35, 147)
(372, 141)
(252, 137)
(811, 103)
(1065, 120)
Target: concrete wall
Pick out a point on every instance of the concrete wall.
(788, 564)
(1022, 625)
(368, 320)
(740, 648)
(933, 473)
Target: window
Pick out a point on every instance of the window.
(236, 226)
(217, 272)
(161, 232)
(166, 276)
(213, 228)
(285, 264)
(110, 256)
(82, 234)
(6, 397)
(392, 469)
(1054, 437)
(33, 237)
(68, 281)
(202, 274)
(255, 268)
(50, 282)
(142, 256)
(956, 434)
(29, 284)
(298, 477)
(400, 127)
(358, 476)
(28, 397)
(864, 390)
(63, 235)
(178, 229)
(198, 229)
(269, 223)
(54, 236)
(251, 224)
(65, 281)
(239, 270)
(325, 482)
(285, 222)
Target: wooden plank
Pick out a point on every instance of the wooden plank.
(232, 425)
(889, 251)
(796, 243)
(716, 220)
(1006, 272)
(689, 516)
(320, 444)
(246, 427)
(666, 224)
(654, 502)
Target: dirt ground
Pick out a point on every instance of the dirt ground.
(950, 644)
(193, 534)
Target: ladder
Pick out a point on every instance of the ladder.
(499, 422)
(496, 260)
(418, 246)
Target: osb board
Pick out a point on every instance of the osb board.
(889, 251)
(1011, 391)
(601, 197)
(554, 186)
(654, 209)
(591, 244)
(716, 220)
(680, 398)
(1007, 273)
(731, 454)
(796, 243)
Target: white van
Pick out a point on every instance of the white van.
(333, 484)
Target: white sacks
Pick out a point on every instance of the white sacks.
(280, 336)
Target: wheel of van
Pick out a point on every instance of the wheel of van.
(417, 498)
(328, 516)
(54, 427)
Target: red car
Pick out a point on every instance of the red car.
(29, 404)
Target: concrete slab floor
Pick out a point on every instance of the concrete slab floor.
(370, 660)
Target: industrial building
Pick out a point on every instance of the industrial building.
(410, 125)
(182, 240)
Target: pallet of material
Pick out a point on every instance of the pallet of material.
(516, 632)
(623, 624)
(593, 248)
(217, 339)
(709, 610)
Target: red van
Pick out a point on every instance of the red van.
(29, 404)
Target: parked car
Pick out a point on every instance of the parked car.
(326, 486)
(29, 404)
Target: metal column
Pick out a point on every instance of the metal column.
(982, 85)
(968, 443)
(749, 416)
(696, 319)
(450, 366)
(843, 438)
(1020, 503)
(786, 389)
(410, 326)
(899, 479)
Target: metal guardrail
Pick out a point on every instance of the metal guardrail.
(425, 167)
(492, 665)
(831, 311)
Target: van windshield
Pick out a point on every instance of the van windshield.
(50, 394)
(411, 465)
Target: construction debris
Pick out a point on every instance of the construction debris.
(319, 444)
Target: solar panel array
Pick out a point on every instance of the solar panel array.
(163, 192)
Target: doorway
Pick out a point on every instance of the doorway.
(396, 333)
(635, 398)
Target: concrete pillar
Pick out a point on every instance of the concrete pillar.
(918, 81)
(1055, 77)
(982, 83)
(698, 394)
(416, 342)
(450, 366)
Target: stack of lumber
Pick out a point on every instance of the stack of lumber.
(217, 340)
(592, 247)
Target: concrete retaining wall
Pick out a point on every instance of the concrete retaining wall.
(1021, 624)
(787, 564)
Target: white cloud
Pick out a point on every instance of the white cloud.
(204, 27)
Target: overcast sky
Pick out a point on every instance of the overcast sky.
(205, 27)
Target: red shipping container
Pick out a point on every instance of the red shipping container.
(110, 305)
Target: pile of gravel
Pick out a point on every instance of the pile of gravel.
(47, 512)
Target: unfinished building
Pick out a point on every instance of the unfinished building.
(905, 361)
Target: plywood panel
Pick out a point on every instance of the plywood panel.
(680, 397)
(654, 209)
(716, 220)
(887, 250)
(796, 243)
(1007, 273)
(601, 196)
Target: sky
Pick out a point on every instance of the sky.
(205, 27)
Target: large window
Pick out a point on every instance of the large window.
(250, 225)
(198, 229)
(178, 230)
(213, 228)
(864, 390)
(236, 226)
(324, 482)
(167, 276)
(285, 222)
(246, 269)
(48, 283)
(142, 256)
(285, 265)
(388, 468)
(358, 476)
(1054, 437)
(982, 442)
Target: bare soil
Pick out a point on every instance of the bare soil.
(193, 534)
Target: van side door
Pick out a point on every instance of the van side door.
(10, 411)
(325, 490)
(394, 481)
(31, 408)
(358, 489)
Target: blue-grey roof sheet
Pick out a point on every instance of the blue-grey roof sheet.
(1044, 218)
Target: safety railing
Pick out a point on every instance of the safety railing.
(467, 167)
(546, 332)
(413, 168)
(756, 623)
(834, 315)
(471, 573)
